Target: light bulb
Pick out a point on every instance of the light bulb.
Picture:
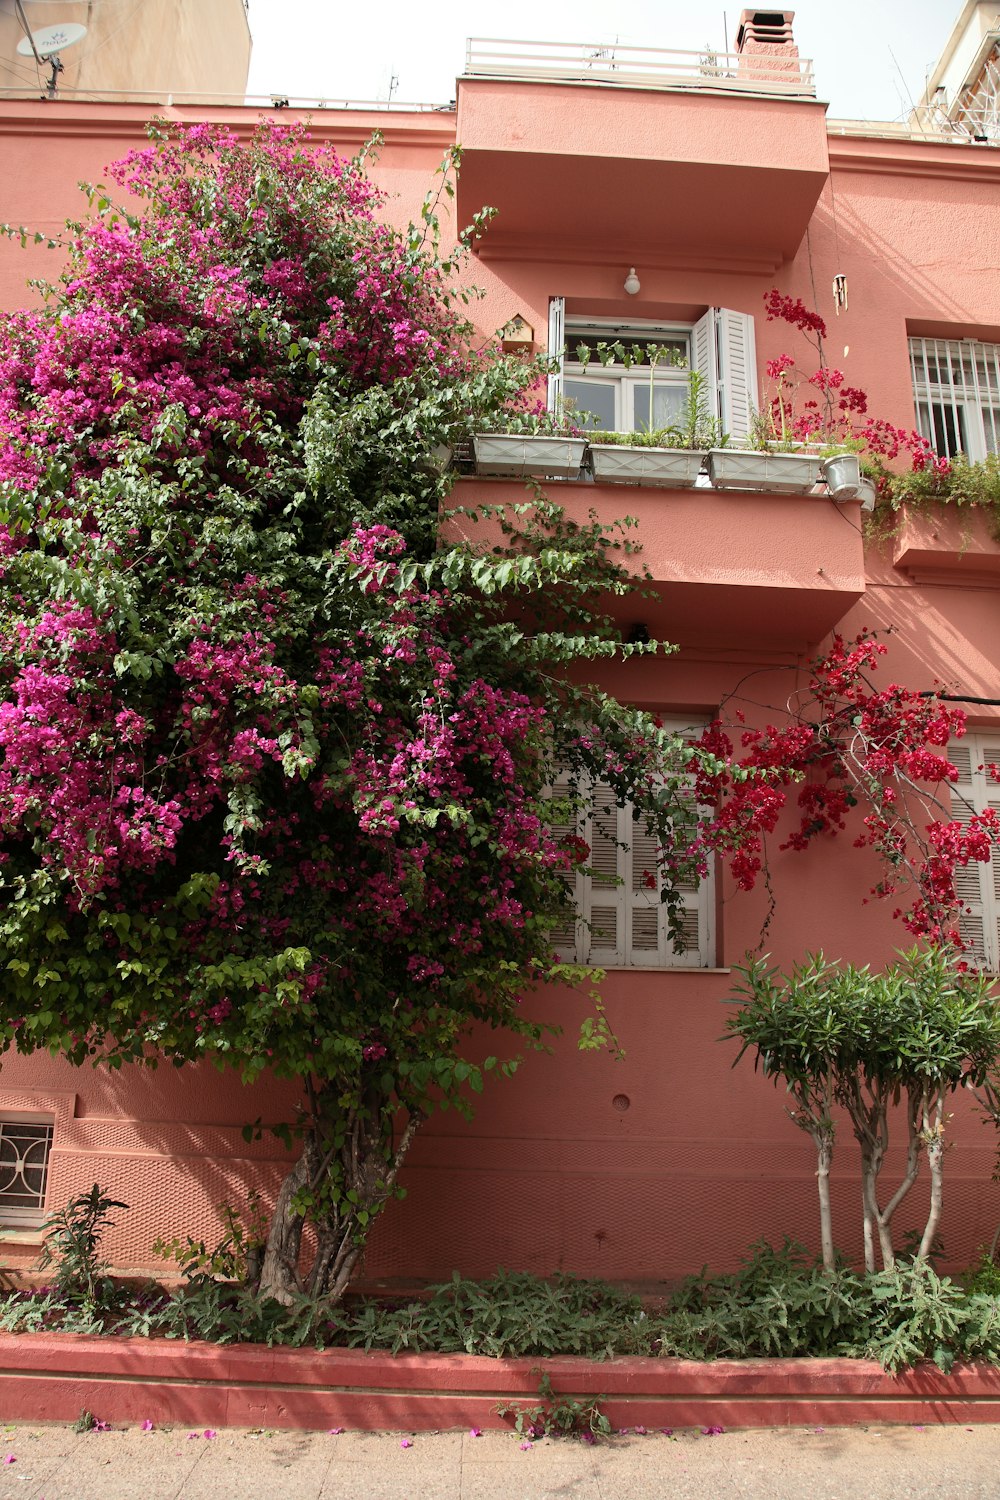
(632, 283)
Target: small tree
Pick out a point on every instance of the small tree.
(844, 1036)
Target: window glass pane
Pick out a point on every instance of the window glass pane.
(668, 402)
(593, 403)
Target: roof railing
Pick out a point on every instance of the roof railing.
(640, 67)
(180, 99)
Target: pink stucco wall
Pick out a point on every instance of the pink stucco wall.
(648, 1167)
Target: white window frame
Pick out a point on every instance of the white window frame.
(957, 381)
(977, 884)
(18, 1216)
(721, 345)
(621, 922)
(625, 381)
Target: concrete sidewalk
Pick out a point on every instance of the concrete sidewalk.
(873, 1463)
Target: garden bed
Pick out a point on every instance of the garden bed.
(53, 1377)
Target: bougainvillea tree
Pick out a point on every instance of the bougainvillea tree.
(273, 758)
(841, 743)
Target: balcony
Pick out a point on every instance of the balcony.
(671, 159)
(727, 567)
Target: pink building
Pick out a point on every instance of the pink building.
(653, 196)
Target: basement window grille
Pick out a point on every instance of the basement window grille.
(25, 1145)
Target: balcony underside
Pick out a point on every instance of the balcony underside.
(659, 179)
(727, 569)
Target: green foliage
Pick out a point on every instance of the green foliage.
(920, 1019)
(73, 1241)
(557, 1416)
(779, 1304)
(962, 485)
(236, 1256)
(513, 1314)
(983, 1276)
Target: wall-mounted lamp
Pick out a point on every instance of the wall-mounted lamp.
(517, 336)
(632, 283)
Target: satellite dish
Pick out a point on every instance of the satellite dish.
(51, 39)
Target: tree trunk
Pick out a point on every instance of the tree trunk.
(913, 1144)
(932, 1131)
(824, 1148)
(279, 1277)
(870, 1210)
(354, 1147)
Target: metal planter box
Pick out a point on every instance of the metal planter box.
(665, 468)
(509, 455)
(774, 473)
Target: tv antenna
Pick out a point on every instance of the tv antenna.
(46, 45)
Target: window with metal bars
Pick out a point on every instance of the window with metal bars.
(25, 1144)
(956, 389)
(621, 921)
(977, 884)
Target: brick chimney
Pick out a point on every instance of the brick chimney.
(765, 43)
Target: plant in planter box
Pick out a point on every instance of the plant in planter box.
(770, 460)
(533, 444)
(822, 411)
(671, 456)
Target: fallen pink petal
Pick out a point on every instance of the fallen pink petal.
(210, 1432)
(10, 1459)
(475, 1432)
(147, 1426)
(335, 1431)
(525, 1446)
(406, 1443)
(712, 1431)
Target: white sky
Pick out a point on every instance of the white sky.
(871, 57)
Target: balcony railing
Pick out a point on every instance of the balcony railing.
(640, 67)
(922, 124)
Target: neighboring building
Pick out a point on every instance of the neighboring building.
(706, 180)
(170, 46)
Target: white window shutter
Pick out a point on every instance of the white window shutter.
(737, 357)
(622, 923)
(557, 350)
(977, 885)
(606, 885)
(705, 360)
(566, 937)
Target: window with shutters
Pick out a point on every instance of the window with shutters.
(956, 388)
(720, 345)
(621, 920)
(25, 1144)
(977, 884)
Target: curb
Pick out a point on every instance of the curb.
(53, 1377)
